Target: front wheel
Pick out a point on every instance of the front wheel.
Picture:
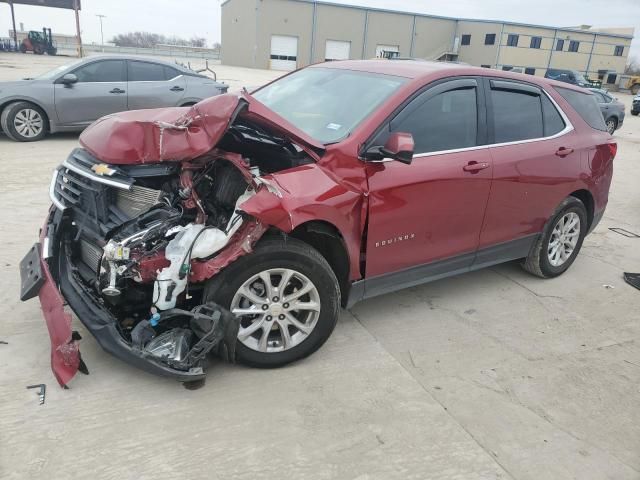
(23, 122)
(561, 240)
(612, 124)
(287, 299)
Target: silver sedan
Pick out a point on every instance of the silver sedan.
(71, 97)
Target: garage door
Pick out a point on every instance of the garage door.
(284, 52)
(337, 50)
(380, 49)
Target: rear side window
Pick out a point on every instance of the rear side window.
(586, 106)
(445, 122)
(147, 72)
(516, 116)
(102, 71)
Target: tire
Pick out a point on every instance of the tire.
(612, 125)
(635, 89)
(539, 262)
(635, 114)
(280, 255)
(24, 110)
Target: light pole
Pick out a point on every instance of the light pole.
(101, 35)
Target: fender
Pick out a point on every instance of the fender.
(308, 193)
(51, 115)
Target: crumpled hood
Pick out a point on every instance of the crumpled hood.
(180, 133)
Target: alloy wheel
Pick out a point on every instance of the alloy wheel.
(611, 126)
(278, 309)
(28, 122)
(564, 239)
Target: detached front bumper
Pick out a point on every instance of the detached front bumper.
(54, 283)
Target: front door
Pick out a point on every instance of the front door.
(432, 209)
(101, 89)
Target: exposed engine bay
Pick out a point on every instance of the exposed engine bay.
(143, 238)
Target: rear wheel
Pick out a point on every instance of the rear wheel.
(286, 297)
(612, 124)
(560, 242)
(23, 122)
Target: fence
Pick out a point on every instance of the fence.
(160, 50)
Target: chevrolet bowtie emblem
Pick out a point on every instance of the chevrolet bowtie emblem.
(103, 169)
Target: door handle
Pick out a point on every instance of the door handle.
(116, 90)
(563, 152)
(176, 89)
(475, 167)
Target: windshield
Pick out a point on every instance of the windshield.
(327, 103)
(51, 74)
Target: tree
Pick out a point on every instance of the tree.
(149, 40)
(633, 67)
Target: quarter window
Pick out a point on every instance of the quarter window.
(444, 122)
(102, 71)
(586, 106)
(574, 45)
(516, 116)
(466, 39)
(536, 42)
(490, 39)
(512, 40)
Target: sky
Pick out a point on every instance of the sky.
(187, 18)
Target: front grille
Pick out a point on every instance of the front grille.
(98, 203)
(90, 254)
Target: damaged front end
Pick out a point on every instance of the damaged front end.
(147, 211)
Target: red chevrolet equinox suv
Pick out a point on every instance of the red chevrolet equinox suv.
(240, 225)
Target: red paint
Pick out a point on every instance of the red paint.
(65, 354)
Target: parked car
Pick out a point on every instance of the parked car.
(243, 225)
(612, 109)
(71, 97)
(569, 76)
(635, 105)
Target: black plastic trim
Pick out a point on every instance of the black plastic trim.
(467, 262)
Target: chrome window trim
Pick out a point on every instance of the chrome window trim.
(95, 178)
(568, 128)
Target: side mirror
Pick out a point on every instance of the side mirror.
(400, 147)
(69, 79)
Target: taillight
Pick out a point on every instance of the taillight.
(613, 149)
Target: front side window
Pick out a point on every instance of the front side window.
(328, 103)
(102, 71)
(536, 42)
(446, 121)
(512, 40)
(516, 116)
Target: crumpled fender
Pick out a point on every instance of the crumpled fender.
(156, 135)
(309, 193)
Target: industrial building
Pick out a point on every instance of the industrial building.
(288, 34)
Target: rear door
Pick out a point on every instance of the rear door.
(101, 89)
(154, 85)
(433, 208)
(535, 160)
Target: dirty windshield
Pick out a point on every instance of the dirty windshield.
(327, 103)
